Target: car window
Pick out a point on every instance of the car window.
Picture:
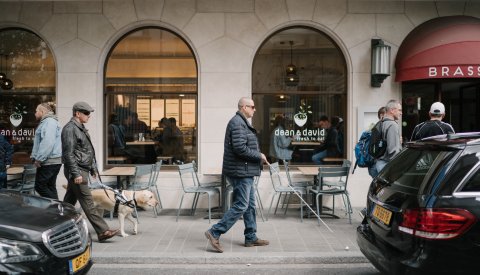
(473, 184)
(459, 170)
(410, 167)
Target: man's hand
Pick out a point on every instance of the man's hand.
(264, 159)
(37, 164)
(78, 180)
(7, 166)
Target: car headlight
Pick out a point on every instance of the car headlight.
(16, 252)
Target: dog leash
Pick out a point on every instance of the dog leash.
(300, 197)
(120, 197)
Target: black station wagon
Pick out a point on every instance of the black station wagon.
(423, 209)
(42, 236)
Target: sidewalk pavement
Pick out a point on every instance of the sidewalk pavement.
(162, 240)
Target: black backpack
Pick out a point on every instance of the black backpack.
(378, 145)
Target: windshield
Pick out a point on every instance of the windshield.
(411, 166)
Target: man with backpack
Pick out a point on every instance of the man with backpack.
(435, 126)
(364, 159)
(390, 134)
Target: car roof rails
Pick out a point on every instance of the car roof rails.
(469, 135)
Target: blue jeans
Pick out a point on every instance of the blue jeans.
(317, 158)
(243, 205)
(372, 171)
(379, 164)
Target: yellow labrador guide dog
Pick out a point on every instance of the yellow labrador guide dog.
(105, 198)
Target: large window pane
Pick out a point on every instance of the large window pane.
(151, 95)
(315, 86)
(27, 62)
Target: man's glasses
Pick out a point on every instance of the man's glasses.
(87, 113)
(250, 106)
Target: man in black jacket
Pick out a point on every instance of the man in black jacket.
(241, 163)
(6, 152)
(435, 126)
(78, 157)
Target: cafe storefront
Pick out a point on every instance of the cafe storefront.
(439, 61)
(188, 62)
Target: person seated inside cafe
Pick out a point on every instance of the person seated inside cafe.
(116, 137)
(135, 126)
(329, 146)
(280, 145)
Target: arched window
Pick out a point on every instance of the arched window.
(299, 78)
(27, 79)
(151, 99)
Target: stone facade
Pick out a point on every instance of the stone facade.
(224, 36)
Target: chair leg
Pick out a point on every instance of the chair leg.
(158, 197)
(349, 209)
(258, 198)
(180, 206)
(194, 204)
(333, 205)
(301, 209)
(271, 203)
(209, 210)
(259, 209)
(318, 207)
(278, 201)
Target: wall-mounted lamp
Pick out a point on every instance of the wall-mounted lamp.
(380, 62)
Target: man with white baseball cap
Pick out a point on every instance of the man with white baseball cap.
(435, 126)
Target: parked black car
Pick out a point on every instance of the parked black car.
(423, 209)
(42, 236)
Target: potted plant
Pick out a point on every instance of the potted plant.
(16, 117)
(301, 117)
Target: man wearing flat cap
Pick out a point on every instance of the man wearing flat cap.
(435, 126)
(78, 157)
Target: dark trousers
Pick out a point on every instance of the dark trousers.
(46, 181)
(82, 194)
(3, 180)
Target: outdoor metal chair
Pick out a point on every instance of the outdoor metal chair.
(26, 184)
(280, 189)
(340, 174)
(305, 184)
(191, 185)
(140, 182)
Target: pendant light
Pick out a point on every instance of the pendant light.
(5, 83)
(291, 78)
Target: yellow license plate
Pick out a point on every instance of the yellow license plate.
(382, 214)
(79, 262)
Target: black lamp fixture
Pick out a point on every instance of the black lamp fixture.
(380, 62)
(5, 83)
(291, 78)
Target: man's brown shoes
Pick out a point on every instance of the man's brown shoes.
(214, 242)
(107, 235)
(258, 242)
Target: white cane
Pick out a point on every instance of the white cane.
(300, 196)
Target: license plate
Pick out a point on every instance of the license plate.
(382, 214)
(79, 262)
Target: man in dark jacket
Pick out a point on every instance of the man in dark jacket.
(329, 148)
(78, 157)
(6, 152)
(435, 126)
(241, 163)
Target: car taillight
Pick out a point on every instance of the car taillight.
(440, 223)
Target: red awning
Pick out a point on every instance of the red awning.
(444, 47)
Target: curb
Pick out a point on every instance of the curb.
(237, 258)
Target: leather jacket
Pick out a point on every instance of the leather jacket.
(78, 154)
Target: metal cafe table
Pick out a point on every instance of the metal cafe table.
(119, 172)
(15, 171)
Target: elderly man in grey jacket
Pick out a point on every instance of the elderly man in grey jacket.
(390, 133)
(241, 163)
